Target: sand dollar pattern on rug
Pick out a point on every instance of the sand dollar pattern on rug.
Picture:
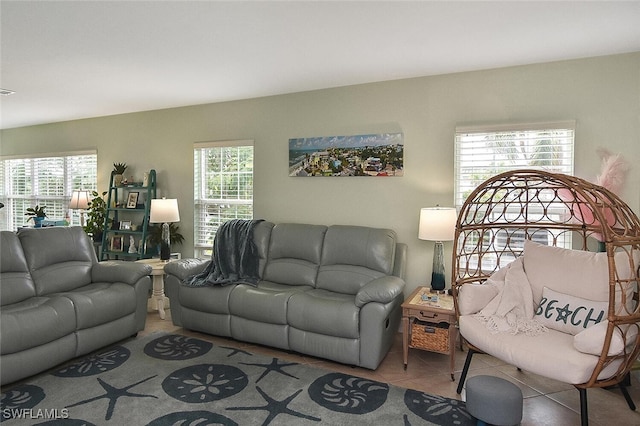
(96, 364)
(205, 383)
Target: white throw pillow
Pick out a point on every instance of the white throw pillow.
(473, 297)
(569, 314)
(591, 340)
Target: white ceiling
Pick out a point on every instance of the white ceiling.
(69, 60)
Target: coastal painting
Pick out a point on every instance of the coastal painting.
(342, 156)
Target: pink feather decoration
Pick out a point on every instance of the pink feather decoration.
(613, 172)
(612, 176)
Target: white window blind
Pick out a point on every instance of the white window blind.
(485, 151)
(223, 188)
(44, 181)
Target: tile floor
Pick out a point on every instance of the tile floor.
(546, 401)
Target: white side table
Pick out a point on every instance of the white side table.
(158, 299)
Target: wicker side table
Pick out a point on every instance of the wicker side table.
(429, 325)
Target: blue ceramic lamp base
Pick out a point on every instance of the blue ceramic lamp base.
(437, 271)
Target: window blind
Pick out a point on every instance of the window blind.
(485, 151)
(44, 181)
(223, 188)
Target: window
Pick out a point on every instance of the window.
(483, 152)
(223, 188)
(44, 181)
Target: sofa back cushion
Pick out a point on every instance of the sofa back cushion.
(261, 238)
(59, 258)
(16, 284)
(577, 273)
(354, 255)
(294, 254)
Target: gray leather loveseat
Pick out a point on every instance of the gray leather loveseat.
(332, 292)
(58, 302)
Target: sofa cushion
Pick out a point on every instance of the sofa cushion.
(261, 238)
(354, 255)
(34, 322)
(210, 299)
(266, 303)
(569, 314)
(15, 279)
(294, 254)
(574, 272)
(100, 303)
(59, 258)
(549, 354)
(324, 312)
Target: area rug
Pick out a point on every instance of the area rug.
(171, 379)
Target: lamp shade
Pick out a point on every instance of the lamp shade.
(437, 223)
(79, 200)
(164, 210)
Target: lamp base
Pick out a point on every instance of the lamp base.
(165, 244)
(437, 281)
(437, 271)
(165, 251)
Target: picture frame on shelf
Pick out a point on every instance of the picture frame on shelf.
(116, 243)
(125, 225)
(132, 200)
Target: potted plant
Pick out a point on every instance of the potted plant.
(36, 213)
(95, 216)
(155, 235)
(118, 170)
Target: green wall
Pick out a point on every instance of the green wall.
(601, 94)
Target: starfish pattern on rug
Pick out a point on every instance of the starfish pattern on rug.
(235, 351)
(112, 393)
(275, 365)
(275, 407)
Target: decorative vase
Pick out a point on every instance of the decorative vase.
(117, 180)
(37, 221)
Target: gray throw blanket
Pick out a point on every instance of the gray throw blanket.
(234, 258)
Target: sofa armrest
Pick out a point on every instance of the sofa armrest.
(382, 290)
(185, 268)
(119, 271)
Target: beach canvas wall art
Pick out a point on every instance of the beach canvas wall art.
(379, 155)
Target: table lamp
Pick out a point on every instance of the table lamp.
(164, 211)
(437, 224)
(79, 201)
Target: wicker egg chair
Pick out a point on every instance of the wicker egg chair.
(562, 211)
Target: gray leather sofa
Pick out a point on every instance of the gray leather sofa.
(332, 292)
(58, 302)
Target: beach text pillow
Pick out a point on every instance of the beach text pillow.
(569, 314)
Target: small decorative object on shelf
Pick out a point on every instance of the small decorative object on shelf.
(118, 170)
(132, 201)
(132, 245)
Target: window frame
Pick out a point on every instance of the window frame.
(505, 128)
(566, 160)
(204, 223)
(57, 200)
